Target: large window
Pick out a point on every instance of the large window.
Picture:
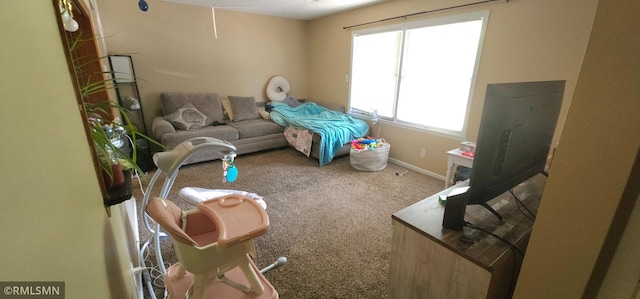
(420, 73)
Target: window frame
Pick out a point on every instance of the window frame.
(449, 19)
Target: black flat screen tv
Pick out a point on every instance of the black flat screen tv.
(516, 130)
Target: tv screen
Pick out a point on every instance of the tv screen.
(516, 129)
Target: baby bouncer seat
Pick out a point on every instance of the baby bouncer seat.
(214, 244)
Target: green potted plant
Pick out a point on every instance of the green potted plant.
(107, 134)
(107, 122)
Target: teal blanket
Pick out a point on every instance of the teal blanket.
(335, 128)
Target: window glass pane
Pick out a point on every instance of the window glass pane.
(374, 71)
(419, 73)
(437, 71)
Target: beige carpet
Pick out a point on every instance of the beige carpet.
(333, 223)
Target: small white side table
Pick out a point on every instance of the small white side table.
(456, 157)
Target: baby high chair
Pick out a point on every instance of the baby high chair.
(213, 243)
(169, 163)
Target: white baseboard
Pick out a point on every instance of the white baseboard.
(416, 169)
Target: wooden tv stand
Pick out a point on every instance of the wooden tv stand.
(428, 261)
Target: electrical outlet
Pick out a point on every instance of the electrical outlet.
(423, 153)
(346, 78)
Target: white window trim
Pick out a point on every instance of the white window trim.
(462, 134)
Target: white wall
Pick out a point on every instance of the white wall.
(173, 48)
(592, 168)
(623, 274)
(53, 223)
(525, 41)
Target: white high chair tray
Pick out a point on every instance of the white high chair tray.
(196, 196)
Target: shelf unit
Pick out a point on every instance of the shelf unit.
(126, 88)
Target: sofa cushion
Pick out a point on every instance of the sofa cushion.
(188, 118)
(226, 133)
(256, 127)
(207, 103)
(243, 108)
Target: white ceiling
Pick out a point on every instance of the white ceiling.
(294, 9)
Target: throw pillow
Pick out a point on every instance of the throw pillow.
(227, 108)
(188, 118)
(207, 103)
(243, 108)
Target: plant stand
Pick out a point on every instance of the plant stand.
(120, 193)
